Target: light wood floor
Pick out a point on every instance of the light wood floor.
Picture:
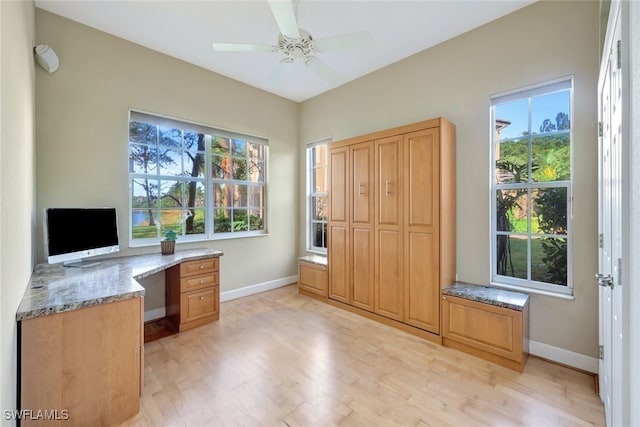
(281, 359)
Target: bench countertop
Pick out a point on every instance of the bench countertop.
(488, 295)
(314, 259)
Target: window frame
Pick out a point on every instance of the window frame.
(530, 285)
(207, 180)
(311, 193)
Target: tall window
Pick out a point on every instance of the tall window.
(317, 196)
(200, 182)
(531, 190)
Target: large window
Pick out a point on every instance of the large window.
(200, 182)
(317, 196)
(531, 187)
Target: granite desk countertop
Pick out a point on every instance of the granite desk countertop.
(56, 289)
(488, 295)
(314, 259)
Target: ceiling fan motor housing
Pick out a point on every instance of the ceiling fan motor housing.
(301, 47)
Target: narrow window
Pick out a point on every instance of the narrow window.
(317, 196)
(531, 187)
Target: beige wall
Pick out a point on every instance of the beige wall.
(82, 137)
(81, 129)
(455, 80)
(17, 201)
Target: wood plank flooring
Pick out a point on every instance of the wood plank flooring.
(281, 359)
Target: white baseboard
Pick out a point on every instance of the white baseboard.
(256, 289)
(566, 357)
(156, 313)
(159, 313)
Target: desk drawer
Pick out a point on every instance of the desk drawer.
(198, 304)
(198, 282)
(201, 266)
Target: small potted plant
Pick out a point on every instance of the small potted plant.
(168, 245)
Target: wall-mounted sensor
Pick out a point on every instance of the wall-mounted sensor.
(46, 57)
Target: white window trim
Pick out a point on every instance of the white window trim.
(310, 193)
(208, 180)
(525, 285)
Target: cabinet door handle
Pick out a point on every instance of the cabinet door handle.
(387, 184)
(201, 298)
(360, 187)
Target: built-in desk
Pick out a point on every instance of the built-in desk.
(81, 349)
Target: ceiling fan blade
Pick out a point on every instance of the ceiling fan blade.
(242, 47)
(285, 15)
(344, 42)
(324, 71)
(281, 70)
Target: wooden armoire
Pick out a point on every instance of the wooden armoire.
(392, 223)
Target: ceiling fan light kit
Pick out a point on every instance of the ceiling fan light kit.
(296, 43)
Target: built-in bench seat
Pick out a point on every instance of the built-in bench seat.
(312, 276)
(487, 322)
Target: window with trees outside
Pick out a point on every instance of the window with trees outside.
(317, 196)
(531, 190)
(200, 182)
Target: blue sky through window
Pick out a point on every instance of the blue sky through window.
(543, 107)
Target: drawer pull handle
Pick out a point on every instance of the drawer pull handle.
(201, 282)
(201, 298)
(201, 266)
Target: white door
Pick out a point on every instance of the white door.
(610, 225)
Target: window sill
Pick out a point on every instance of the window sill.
(311, 251)
(136, 244)
(528, 290)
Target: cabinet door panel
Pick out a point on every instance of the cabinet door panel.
(313, 278)
(338, 261)
(388, 183)
(199, 304)
(86, 361)
(361, 172)
(421, 169)
(489, 328)
(422, 302)
(362, 279)
(338, 185)
(389, 282)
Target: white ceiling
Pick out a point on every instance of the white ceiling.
(186, 29)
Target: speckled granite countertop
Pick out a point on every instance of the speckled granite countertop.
(488, 295)
(314, 259)
(56, 289)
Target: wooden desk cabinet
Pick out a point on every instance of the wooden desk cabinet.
(81, 340)
(193, 293)
(87, 362)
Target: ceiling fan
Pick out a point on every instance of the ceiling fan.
(297, 44)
